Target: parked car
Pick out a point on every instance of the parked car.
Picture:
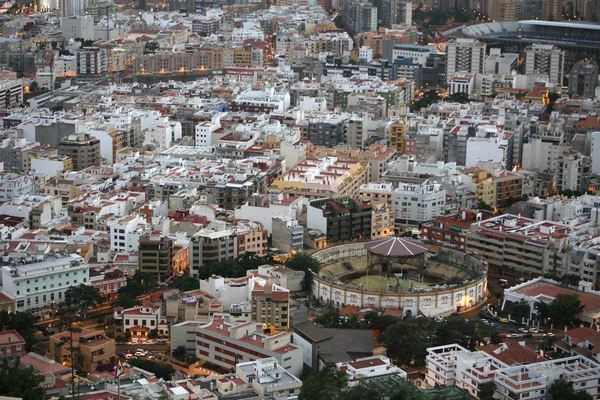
(128, 356)
(140, 354)
(549, 334)
(149, 341)
(504, 320)
(161, 341)
(523, 330)
(513, 335)
(533, 330)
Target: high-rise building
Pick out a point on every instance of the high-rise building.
(464, 55)
(358, 16)
(503, 11)
(552, 10)
(528, 9)
(393, 12)
(583, 78)
(271, 305)
(82, 148)
(90, 61)
(545, 59)
(397, 135)
(156, 256)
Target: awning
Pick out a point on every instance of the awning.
(440, 311)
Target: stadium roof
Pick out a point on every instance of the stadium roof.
(564, 24)
(396, 247)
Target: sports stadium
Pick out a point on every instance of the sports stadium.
(401, 274)
(578, 39)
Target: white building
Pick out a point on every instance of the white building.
(78, 26)
(464, 55)
(225, 343)
(205, 129)
(263, 210)
(369, 367)
(125, 233)
(414, 203)
(268, 378)
(162, 133)
(138, 321)
(41, 282)
(261, 100)
(365, 54)
(498, 63)
(461, 83)
(454, 365)
(545, 59)
(65, 66)
(242, 34)
(15, 185)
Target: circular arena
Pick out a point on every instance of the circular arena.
(399, 273)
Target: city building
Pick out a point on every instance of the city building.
(397, 134)
(453, 365)
(42, 281)
(418, 203)
(504, 10)
(501, 63)
(78, 26)
(545, 59)
(465, 55)
(82, 149)
(156, 256)
(325, 177)
(139, 321)
(369, 367)
(12, 345)
(15, 185)
(226, 342)
(452, 230)
(92, 348)
(583, 78)
(517, 246)
(287, 235)
(271, 305)
(269, 379)
(341, 219)
(215, 243)
(91, 61)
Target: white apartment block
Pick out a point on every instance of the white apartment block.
(125, 233)
(366, 54)
(226, 343)
(595, 149)
(205, 129)
(464, 55)
(545, 59)
(414, 203)
(41, 282)
(454, 365)
(15, 185)
(138, 321)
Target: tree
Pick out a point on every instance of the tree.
(521, 310)
(407, 341)
(459, 97)
(160, 369)
(324, 385)
(179, 353)
(125, 301)
(487, 390)
(186, 283)
(41, 348)
(23, 323)
(563, 390)
(153, 334)
(428, 98)
(141, 283)
(482, 205)
(570, 279)
(34, 87)
(234, 268)
(562, 311)
(151, 47)
(20, 381)
(81, 298)
(329, 319)
(306, 263)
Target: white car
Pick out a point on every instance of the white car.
(128, 356)
(533, 330)
(140, 353)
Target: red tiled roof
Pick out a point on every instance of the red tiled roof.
(579, 335)
(372, 362)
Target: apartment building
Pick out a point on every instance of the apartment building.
(397, 135)
(271, 305)
(287, 234)
(369, 367)
(341, 218)
(108, 282)
(464, 55)
(125, 233)
(452, 230)
(93, 345)
(11, 93)
(504, 10)
(583, 78)
(494, 188)
(83, 149)
(454, 365)
(215, 243)
(418, 203)
(15, 185)
(12, 345)
(252, 237)
(207, 58)
(42, 281)
(517, 246)
(226, 342)
(326, 177)
(90, 61)
(156, 256)
(260, 101)
(545, 59)
(328, 130)
(269, 379)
